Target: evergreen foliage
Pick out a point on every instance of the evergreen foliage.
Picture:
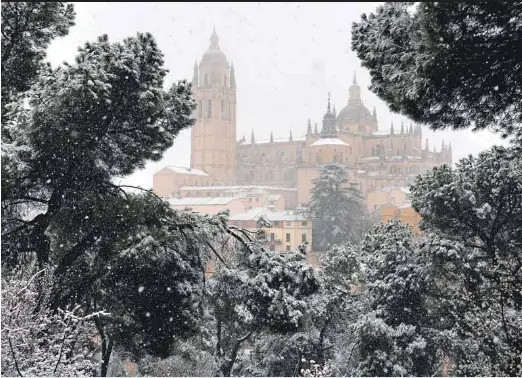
(337, 208)
(446, 64)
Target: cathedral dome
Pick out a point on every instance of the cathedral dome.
(214, 55)
(354, 113)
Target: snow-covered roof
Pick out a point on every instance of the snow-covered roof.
(329, 142)
(236, 188)
(380, 133)
(188, 201)
(370, 158)
(278, 140)
(255, 213)
(404, 205)
(274, 197)
(187, 171)
(390, 188)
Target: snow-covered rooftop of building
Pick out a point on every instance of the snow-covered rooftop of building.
(329, 142)
(236, 188)
(187, 171)
(276, 140)
(370, 158)
(256, 213)
(390, 188)
(191, 201)
(380, 133)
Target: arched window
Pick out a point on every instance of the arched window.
(206, 79)
(225, 80)
(223, 109)
(209, 109)
(200, 110)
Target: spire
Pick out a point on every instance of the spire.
(442, 148)
(214, 40)
(252, 137)
(334, 112)
(271, 137)
(329, 129)
(328, 110)
(291, 139)
(232, 76)
(434, 148)
(374, 113)
(392, 131)
(427, 148)
(315, 129)
(450, 146)
(309, 129)
(402, 128)
(411, 128)
(354, 91)
(195, 79)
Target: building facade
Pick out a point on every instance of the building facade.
(374, 157)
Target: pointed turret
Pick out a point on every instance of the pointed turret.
(329, 130)
(291, 139)
(392, 130)
(334, 112)
(442, 148)
(309, 128)
(271, 137)
(252, 139)
(411, 128)
(315, 129)
(354, 95)
(374, 113)
(427, 147)
(214, 40)
(232, 76)
(195, 77)
(402, 128)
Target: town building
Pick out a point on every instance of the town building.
(383, 161)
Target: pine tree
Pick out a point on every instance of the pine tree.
(27, 30)
(337, 208)
(258, 292)
(446, 64)
(474, 213)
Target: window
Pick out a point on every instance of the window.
(288, 224)
(288, 248)
(303, 238)
(288, 238)
(200, 110)
(272, 236)
(250, 200)
(225, 80)
(257, 199)
(276, 223)
(223, 109)
(304, 223)
(206, 79)
(209, 109)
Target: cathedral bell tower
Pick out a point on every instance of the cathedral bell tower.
(214, 133)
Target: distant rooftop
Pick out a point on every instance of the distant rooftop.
(187, 171)
(329, 142)
(278, 140)
(188, 201)
(236, 188)
(256, 213)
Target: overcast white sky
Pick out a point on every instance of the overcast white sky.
(287, 57)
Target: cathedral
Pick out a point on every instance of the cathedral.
(375, 158)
